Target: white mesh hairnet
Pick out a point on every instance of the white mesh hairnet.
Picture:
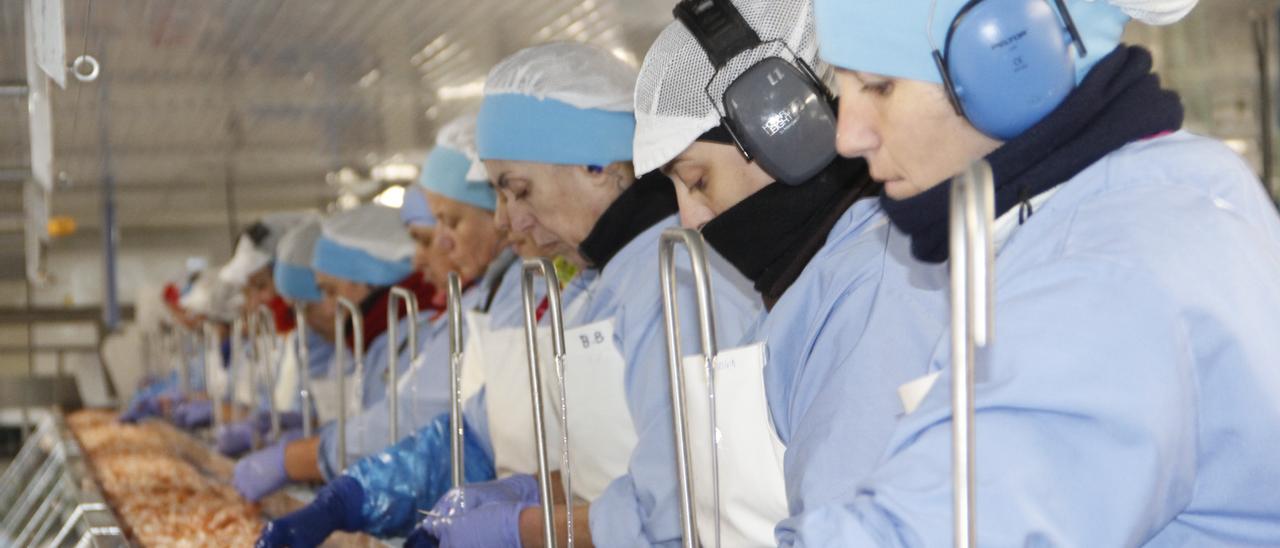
(212, 297)
(1155, 12)
(252, 255)
(299, 242)
(460, 135)
(671, 103)
(372, 228)
(582, 75)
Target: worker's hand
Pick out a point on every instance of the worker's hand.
(516, 488)
(235, 438)
(335, 508)
(262, 473)
(148, 406)
(288, 420)
(194, 414)
(493, 524)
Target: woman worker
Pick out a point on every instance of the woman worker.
(1128, 398)
(555, 134)
(851, 316)
(294, 281)
(360, 254)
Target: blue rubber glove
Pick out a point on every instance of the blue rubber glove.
(262, 473)
(194, 414)
(516, 488)
(494, 524)
(335, 508)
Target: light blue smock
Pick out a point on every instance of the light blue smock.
(370, 430)
(423, 390)
(412, 474)
(1131, 393)
(858, 322)
(640, 508)
(319, 360)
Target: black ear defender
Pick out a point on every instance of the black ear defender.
(257, 232)
(778, 112)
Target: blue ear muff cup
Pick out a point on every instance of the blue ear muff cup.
(1011, 64)
(782, 119)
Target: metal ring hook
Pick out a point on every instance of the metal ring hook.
(95, 68)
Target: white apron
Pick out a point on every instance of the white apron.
(288, 375)
(753, 495)
(506, 374)
(324, 390)
(602, 435)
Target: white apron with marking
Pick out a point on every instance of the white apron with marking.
(601, 433)
(753, 495)
(506, 376)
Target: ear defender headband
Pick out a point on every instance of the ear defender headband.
(778, 113)
(1006, 64)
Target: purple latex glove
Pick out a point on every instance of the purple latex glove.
(149, 406)
(235, 438)
(261, 473)
(288, 421)
(194, 414)
(516, 488)
(494, 524)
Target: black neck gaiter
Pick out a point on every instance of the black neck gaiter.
(648, 200)
(771, 235)
(1120, 101)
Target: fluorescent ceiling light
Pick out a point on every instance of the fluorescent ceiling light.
(393, 196)
(469, 90)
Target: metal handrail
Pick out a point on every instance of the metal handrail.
(304, 371)
(696, 246)
(262, 329)
(543, 267)
(211, 341)
(394, 297)
(347, 311)
(239, 330)
(972, 208)
(456, 427)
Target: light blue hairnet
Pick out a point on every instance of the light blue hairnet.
(293, 276)
(414, 210)
(446, 169)
(890, 37)
(367, 244)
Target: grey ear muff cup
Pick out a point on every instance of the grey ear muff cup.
(782, 119)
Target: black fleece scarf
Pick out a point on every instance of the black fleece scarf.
(771, 235)
(1120, 101)
(648, 200)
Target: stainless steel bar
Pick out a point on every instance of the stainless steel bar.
(47, 527)
(394, 298)
(48, 471)
(266, 340)
(75, 517)
(694, 243)
(304, 372)
(212, 347)
(347, 312)
(543, 267)
(37, 520)
(239, 330)
(456, 426)
(972, 328)
(183, 363)
(18, 470)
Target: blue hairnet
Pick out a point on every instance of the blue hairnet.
(563, 103)
(414, 210)
(367, 244)
(889, 37)
(293, 276)
(452, 170)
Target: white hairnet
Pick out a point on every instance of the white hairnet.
(460, 135)
(256, 248)
(1155, 12)
(672, 108)
(371, 228)
(582, 75)
(213, 297)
